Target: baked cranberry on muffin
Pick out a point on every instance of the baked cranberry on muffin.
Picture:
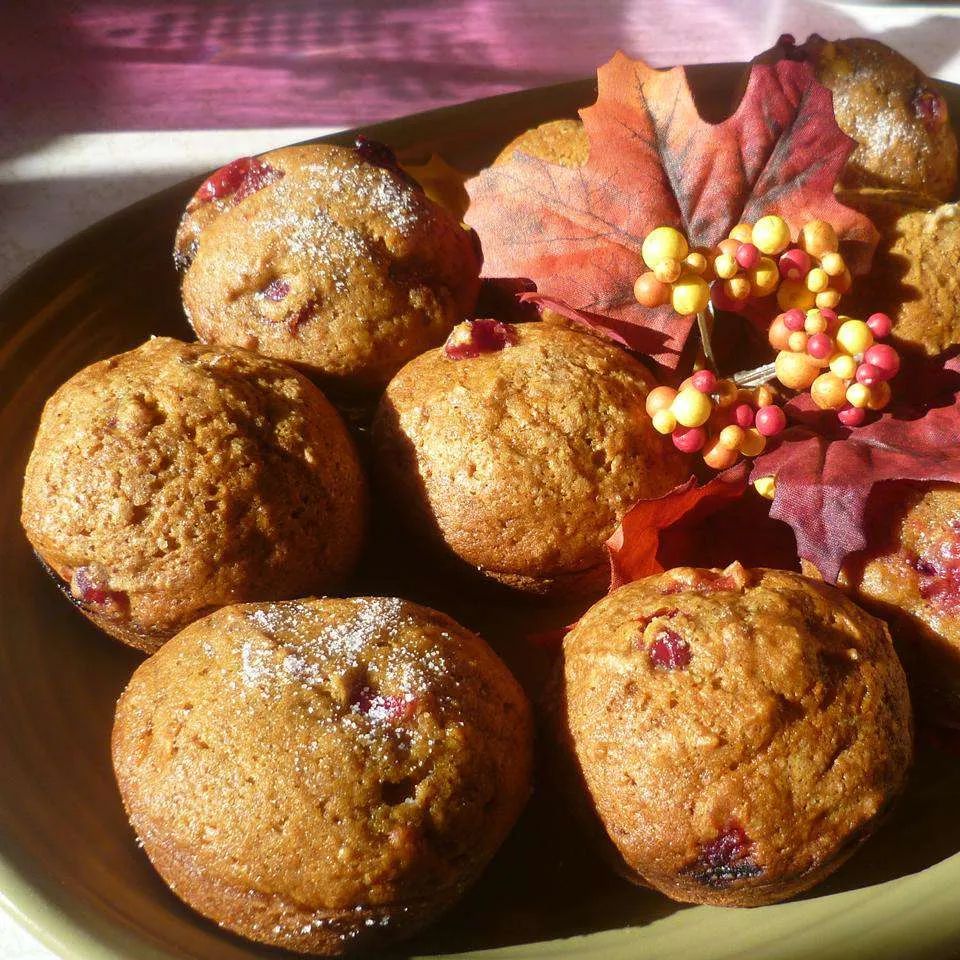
(323, 775)
(564, 142)
(520, 448)
(327, 257)
(176, 478)
(736, 734)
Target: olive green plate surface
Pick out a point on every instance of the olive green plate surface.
(69, 867)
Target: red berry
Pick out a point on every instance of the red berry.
(770, 420)
(885, 358)
(704, 380)
(669, 651)
(744, 415)
(869, 375)
(747, 256)
(689, 439)
(833, 320)
(477, 337)
(819, 346)
(794, 264)
(880, 325)
(851, 416)
(794, 319)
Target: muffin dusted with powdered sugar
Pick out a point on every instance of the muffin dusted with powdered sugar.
(323, 775)
(328, 257)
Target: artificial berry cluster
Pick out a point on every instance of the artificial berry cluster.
(717, 417)
(837, 359)
(677, 275)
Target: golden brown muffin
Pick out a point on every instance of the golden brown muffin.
(323, 775)
(895, 112)
(176, 478)
(560, 141)
(522, 460)
(736, 733)
(914, 273)
(323, 259)
(911, 577)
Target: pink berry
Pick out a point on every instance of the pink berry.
(794, 319)
(869, 375)
(689, 439)
(851, 416)
(794, 264)
(669, 651)
(744, 415)
(819, 346)
(885, 358)
(833, 320)
(747, 256)
(704, 380)
(477, 337)
(770, 421)
(880, 325)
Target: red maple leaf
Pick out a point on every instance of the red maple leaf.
(825, 473)
(633, 546)
(577, 232)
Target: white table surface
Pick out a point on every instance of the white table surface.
(72, 181)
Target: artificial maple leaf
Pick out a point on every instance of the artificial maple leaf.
(441, 183)
(577, 232)
(633, 546)
(826, 473)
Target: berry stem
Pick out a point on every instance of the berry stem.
(705, 325)
(755, 377)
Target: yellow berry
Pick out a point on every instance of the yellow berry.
(843, 365)
(858, 395)
(879, 395)
(817, 280)
(765, 396)
(796, 370)
(754, 442)
(764, 277)
(794, 293)
(696, 262)
(815, 322)
(664, 422)
(667, 270)
(771, 235)
(832, 264)
(766, 487)
(659, 398)
(729, 246)
(797, 341)
(718, 457)
(737, 288)
(663, 243)
(725, 266)
(691, 407)
(648, 291)
(828, 391)
(726, 394)
(828, 299)
(742, 232)
(690, 295)
(854, 336)
(818, 238)
(732, 437)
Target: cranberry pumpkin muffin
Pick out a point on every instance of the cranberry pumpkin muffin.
(519, 448)
(895, 112)
(735, 734)
(563, 142)
(327, 257)
(177, 478)
(913, 276)
(323, 775)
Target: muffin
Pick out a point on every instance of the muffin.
(913, 277)
(519, 449)
(560, 141)
(896, 114)
(911, 577)
(327, 257)
(177, 478)
(736, 734)
(322, 775)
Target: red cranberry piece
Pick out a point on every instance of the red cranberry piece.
(256, 178)
(276, 290)
(377, 706)
(301, 316)
(728, 857)
(930, 108)
(378, 154)
(669, 651)
(240, 178)
(939, 572)
(87, 587)
(476, 337)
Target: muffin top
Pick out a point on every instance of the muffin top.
(736, 729)
(179, 477)
(913, 277)
(335, 754)
(559, 141)
(328, 261)
(524, 459)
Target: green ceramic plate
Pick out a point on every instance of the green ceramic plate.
(69, 868)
